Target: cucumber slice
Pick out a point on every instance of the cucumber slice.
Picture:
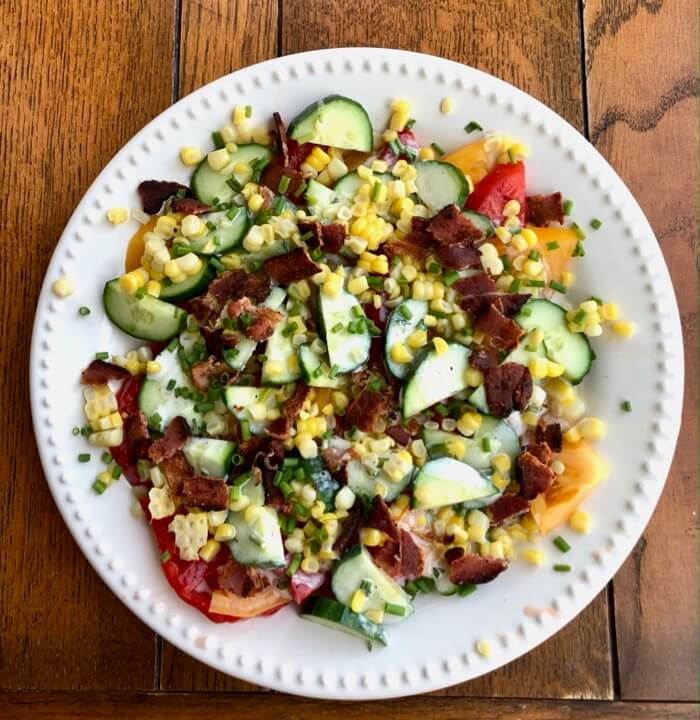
(447, 481)
(209, 185)
(364, 483)
(439, 184)
(231, 227)
(325, 484)
(190, 287)
(237, 357)
(319, 198)
(481, 221)
(346, 350)
(332, 614)
(435, 377)
(208, 456)
(146, 318)
(335, 121)
(239, 398)
(161, 405)
(258, 542)
(315, 369)
(500, 435)
(572, 350)
(444, 585)
(355, 567)
(279, 351)
(279, 247)
(349, 184)
(405, 319)
(478, 400)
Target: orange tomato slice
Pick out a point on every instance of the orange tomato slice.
(224, 602)
(584, 469)
(473, 159)
(557, 260)
(134, 251)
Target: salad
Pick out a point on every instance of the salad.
(359, 373)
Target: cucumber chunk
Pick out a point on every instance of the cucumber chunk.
(319, 198)
(572, 350)
(447, 481)
(324, 483)
(239, 398)
(315, 369)
(363, 483)
(279, 351)
(481, 221)
(349, 184)
(146, 318)
(346, 350)
(439, 184)
(335, 121)
(190, 287)
(208, 456)
(434, 378)
(404, 320)
(332, 614)
(209, 185)
(357, 566)
(230, 229)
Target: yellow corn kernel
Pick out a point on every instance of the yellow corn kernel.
(503, 235)
(255, 202)
(456, 448)
(389, 135)
(511, 208)
(530, 419)
(528, 236)
(591, 428)
(400, 105)
(332, 286)
(426, 153)
(474, 377)
(191, 155)
(153, 287)
(417, 339)
(117, 215)
(533, 556)
(534, 339)
(572, 435)
(623, 329)
(400, 354)
(580, 521)
(609, 311)
(500, 481)
(225, 532)
(398, 120)
(358, 285)
(209, 550)
(501, 463)
(217, 159)
(447, 105)
(476, 534)
(371, 537)
(469, 423)
(358, 601)
(340, 400)
(440, 345)
(310, 565)
(376, 616)
(483, 648)
(152, 367)
(519, 242)
(317, 159)
(380, 265)
(537, 367)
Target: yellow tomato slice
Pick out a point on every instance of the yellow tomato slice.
(474, 159)
(555, 261)
(134, 252)
(584, 469)
(224, 602)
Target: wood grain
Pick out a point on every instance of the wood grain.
(69, 73)
(173, 706)
(643, 118)
(216, 38)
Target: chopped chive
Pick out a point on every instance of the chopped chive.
(204, 407)
(405, 313)
(232, 213)
(411, 588)
(101, 355)
(535, 283)
(254, 265)
(394, 609)
(441, 409)
(579, 250)
(526, 312)
(425, 584)
(376, 283)
(580, 317)
(165, 556)
(84, 311)
(181, 193)
(300, 190)
(245, 429)
(409, 123)
(514, 286)
(507, 264)
(262, 358)
(567, 206)
(234, 493)
(307, 235)
(76, 430)
(334, 371)
(376, 189)
(372, 329)
(595, 223)
(237, 459)
(395, 147)
(434, 268)
(470, 127)
(561, 544)
(211, 226)
(99, 487)
(626, 406)
(171, 384)
(357, 311)
(155, 420)
(300, 510)
(290, 329)
(338, 327)
(172, 344)
(106, 458)
(375, 384)
(562, 568)
(299, 474)
(437, 148)
(283, 184)
(234, 184)
(286, 489)
(450, 277)
(486, 444)
(534, 255)
(85, 430)
(316, 253)
(578, 231)
(218, 140)
(248, 111)
(559, 287)
(84, 457)
(511, 155)
(554, 245)
(465, 590)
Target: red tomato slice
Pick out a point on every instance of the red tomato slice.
(224, 603)
(505, 182)
(127, 401)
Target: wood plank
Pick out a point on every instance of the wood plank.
(507, 41)
(72, 97)
(216, 38)
(171, 706)
(643, 118)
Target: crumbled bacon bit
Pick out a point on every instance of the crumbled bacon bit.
(450, 226)
(261, 320)
(99, 372)
(506, 507)
(336, 461)
(349, 534)
(474, 569)
(205, 371)
(502, 333)
(176, 469)
(508, 387)
(534, 475)
(136, 436)
(412, 559)
(458, 256)
(367, 409)
(550, 434)
(154, 193)
(544, 209)
(173, 440)
(484, 358)
(379, 518)
(399, 434)
(190, 206)
(291, 267)
(475, 284)
(329, 238)
(207, 493)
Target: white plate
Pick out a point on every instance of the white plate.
(435, 647)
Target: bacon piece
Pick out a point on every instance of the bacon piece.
(189, 206)
(508, 387)
(272, 178)
(379, 518)
(154, 193)
(387, 557)
(207, 493)
(366, 409)
(541, 451)
(399, 434)
(458, 256)
(412, 559)
(550, 434)
(400, 557)
(403, 247)
(266, 462)
(420, 233)
(137, 437)
(291, 267)
(473, 569)
(506, 507)
(241, 580)
(544, 209)
(229, 285)
(449, 226)
(252, 446)
(349, 533)
(510, 303)
(282, 426)
(99, 372)
(502, 332)
(475, 284)
(484, 358)
(336, 460)
(329, 238)
(261, 320)
(205, 371)
(507, 303)
(176, 470)
(173, 440)
(534, 475)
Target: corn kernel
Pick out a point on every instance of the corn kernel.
(358, 601)
(358, 285)
(530, 419)
(572, 435)
(469, 423)
(209, 550)
(474, 377)
(217, 159)
(483, 648)
(225, 532)
(456, 448)
(310, 565)
(533, 556)
(389, 135)
(400, 105)
(332, 286)
(511, 208)
(426, 153)
(580, 521)
(447, 105)
(501, 463)
(399, 354)
(592, 428)
(476, 534)
(440, 345)
(371, 537)
(376, 616)
(63, 287)
(537, 367)
(191, 155)
(623, 329)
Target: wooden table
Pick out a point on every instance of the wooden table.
(79, 77)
